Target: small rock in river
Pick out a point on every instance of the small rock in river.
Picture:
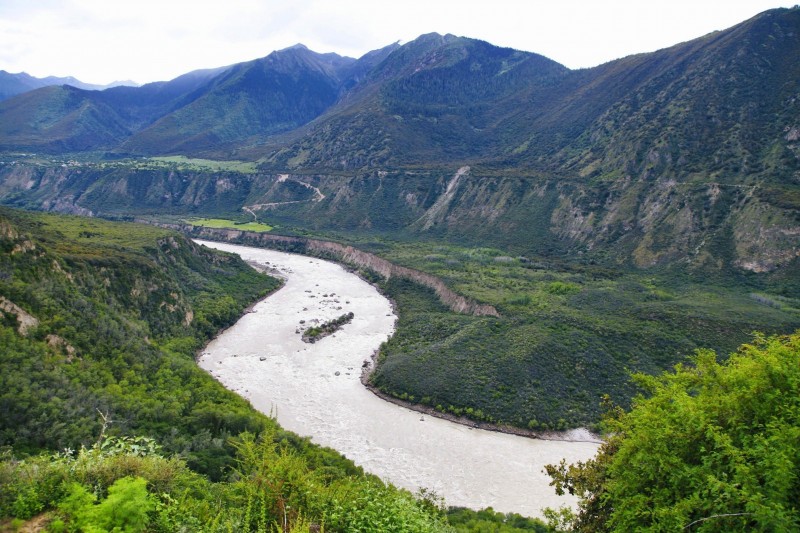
(337, 373)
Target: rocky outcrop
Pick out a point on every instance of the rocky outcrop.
(345, 254)
(25, 321)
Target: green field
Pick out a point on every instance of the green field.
(207, 164)
(222, 223)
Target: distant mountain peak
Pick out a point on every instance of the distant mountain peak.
(12, 84)
(298, 46)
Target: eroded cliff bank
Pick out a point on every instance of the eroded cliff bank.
(339, 252)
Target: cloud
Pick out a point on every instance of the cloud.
(100, 41)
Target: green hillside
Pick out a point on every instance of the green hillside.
(100, 325)
(120, 312)
(277, 93)
(567, 334)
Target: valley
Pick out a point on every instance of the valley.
(563, 249)
(315, 391)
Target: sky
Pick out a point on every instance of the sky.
(100, 41)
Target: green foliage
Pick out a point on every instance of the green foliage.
(712, 447)
(229, 224)
(568, 333)
(191, 163)
(274, 489)
(124, 510)
(490, 521)
(122, 310)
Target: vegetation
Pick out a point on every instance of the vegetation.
(121, 311)
(568, 333)
(490, 521)
(128, 485)
(192, 163)
(315, 333)
(108, 423)
(711, 447)
(229, 224)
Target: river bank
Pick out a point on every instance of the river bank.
(315, 390)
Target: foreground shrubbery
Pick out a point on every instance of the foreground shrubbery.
(127, 484)
(712, 447)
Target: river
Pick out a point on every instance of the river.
(315, 390)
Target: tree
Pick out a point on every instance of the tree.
(712, 447)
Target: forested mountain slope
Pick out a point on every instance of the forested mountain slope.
(113, 316)
(99, 325)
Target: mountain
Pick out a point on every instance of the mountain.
(687, 155)
(437, 98)
(201, 110)
(14, 84)
(60, 119)
(277, 93)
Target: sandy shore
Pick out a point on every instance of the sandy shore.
(315, 390)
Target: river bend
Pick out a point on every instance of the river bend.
(314, 390)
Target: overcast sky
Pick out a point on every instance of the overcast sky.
(99, 41)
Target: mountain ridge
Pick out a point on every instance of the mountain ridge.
(686, 155)
(12, 84)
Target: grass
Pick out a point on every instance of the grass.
(93, 232)
(222, 223)
(245, 167)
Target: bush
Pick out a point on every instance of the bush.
(713, 447)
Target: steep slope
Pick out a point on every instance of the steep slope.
(277, 93)
(435, 99)
(59, 119)
(686, 154)
(143, 105)
(114, 313)
(447, 99)
(699, 157)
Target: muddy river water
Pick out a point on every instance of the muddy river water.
(315, 391)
